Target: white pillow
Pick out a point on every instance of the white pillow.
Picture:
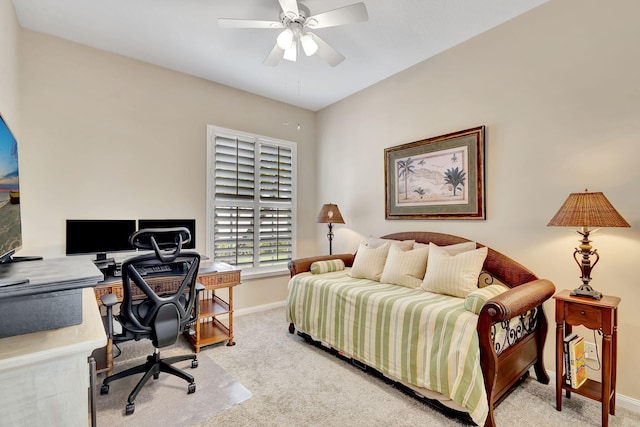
(405, 268)
(369, 262)
(454, 275)
(376, 242)
(452, 249)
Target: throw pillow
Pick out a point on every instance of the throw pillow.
(369, 262)
(452, 249)
(477, 298)
(328, 266)
(454, 275)
(376, 242)
(405, 268)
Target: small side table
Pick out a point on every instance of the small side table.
(593, 314)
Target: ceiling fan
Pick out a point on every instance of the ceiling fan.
(297, 23)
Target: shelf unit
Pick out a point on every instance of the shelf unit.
(593, 314)
(210, 329)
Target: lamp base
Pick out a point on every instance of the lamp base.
(586, 291)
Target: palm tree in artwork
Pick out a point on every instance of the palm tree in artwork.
(455, 177)
(405, 168)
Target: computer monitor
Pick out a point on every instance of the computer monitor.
(99, 236)
(11, 230)
(190, 224)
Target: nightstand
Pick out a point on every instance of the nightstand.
(593, 314)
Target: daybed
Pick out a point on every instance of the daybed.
(466, 351)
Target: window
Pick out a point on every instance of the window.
(251, 192)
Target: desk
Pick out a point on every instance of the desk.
(593, 314)
(209, 329)
(44, 376)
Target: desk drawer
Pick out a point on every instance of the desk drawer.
(220, 280)
(582, 314)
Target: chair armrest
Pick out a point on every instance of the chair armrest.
(517, 300)
(109, 300)
(301, 265)
(196, 311)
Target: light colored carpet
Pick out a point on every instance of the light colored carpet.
(296, 384)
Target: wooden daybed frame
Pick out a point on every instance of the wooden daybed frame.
(527, 294)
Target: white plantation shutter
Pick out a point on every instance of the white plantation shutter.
(251, 190)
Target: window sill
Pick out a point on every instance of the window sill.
(261, 274)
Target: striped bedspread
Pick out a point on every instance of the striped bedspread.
(424, 339)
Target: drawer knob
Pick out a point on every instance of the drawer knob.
(582, 312)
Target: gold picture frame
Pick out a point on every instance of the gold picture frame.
(437, 178)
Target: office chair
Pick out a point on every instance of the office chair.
(160, 301)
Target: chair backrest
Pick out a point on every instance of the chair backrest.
(159, 288)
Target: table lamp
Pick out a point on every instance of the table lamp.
(330, 214)
(587, 210)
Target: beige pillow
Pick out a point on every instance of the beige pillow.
(452, 249)
(369, 262)
(405, 268)
(376, 242)
(454, 275)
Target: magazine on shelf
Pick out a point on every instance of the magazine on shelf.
(567, 364)
(578, 368)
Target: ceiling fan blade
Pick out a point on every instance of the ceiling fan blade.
(290, 8)
(326, 52)
(345, 15)
(274, 56)
(248, 23)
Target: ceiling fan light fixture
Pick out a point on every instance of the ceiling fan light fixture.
(309, 45)
(291, 53)
(285, 39)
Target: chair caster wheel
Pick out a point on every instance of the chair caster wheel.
(194, 364)
(130, 408)
(156, 376)
(104, 389)
(192, 388)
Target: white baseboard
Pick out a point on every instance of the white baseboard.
(622, 401)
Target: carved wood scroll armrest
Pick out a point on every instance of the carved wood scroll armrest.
(517, 301)
(301, 265)
(514, 302)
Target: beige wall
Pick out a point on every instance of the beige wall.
(558, 92)
(9, 33)
(105, 136)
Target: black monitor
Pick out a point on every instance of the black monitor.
(190, 224)
(99, 236)
(11, 229)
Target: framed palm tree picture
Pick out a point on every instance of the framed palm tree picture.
(437, 178)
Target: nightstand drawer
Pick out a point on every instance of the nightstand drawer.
(583, 314)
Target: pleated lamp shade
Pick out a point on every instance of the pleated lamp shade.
(588, 210)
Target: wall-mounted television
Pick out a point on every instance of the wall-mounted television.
(10, 221)
(99, 236)
(190, 224)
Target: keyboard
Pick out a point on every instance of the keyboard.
(155, 269)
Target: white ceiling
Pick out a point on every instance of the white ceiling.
(184, 35)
